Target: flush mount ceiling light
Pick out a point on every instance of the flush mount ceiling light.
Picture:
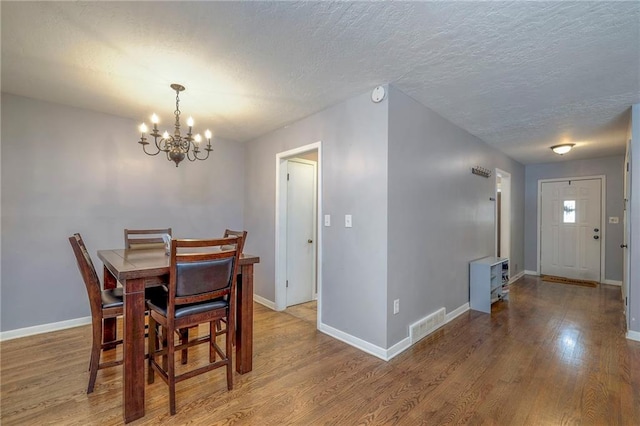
(176, 146)
(562, 148)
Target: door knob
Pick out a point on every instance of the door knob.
(623, 246)
(309, 241)
(595, 237)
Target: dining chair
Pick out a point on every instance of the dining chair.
(243, 234)
(140, 239)
(104, 304)
(145, 238)
(202, 289)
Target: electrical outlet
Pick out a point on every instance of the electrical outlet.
(396, 306)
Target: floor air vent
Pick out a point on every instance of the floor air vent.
(427, 325)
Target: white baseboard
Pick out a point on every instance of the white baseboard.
(398, 348)
(534, 273)
(44, 328)
(377, 351)
(456, 313)
(264, 302)
(356, 342)
(613, 282)
(516, 277)
(633, 335)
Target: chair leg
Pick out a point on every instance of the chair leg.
(171, 372)
(96, 348)
(212, 342)
(229, 349)
(184, 339)
(152, 344)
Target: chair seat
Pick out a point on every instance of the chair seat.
(112, 298)
(160, 305)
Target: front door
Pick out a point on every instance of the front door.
(301, 253)
(571, 229)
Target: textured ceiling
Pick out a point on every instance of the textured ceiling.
(522, 76)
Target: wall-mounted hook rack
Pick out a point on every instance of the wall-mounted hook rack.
(481, 171)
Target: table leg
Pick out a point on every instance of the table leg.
(133, 375)
(109, 325)
(244, 321)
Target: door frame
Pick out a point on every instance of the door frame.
(603, 205)
(626, 235)
(281, 220)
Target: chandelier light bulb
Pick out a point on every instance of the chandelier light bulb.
(143, 128)
(190, 121)
(165, 135)
(207, 134)
(154, 119)
(198, 138)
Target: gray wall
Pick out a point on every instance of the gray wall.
(634, 243)
(354, 181)
(67, 170)
(440, 215)
(612, 168)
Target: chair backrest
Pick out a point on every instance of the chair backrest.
(202, 270)
(242, 234)
(88, 272)
(145, 238)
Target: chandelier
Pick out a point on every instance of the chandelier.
(176, 146)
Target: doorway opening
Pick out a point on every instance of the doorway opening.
(503, 215)
(298, 235)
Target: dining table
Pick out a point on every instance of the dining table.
(136, 269)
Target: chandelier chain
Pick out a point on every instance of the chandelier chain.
(177, 113)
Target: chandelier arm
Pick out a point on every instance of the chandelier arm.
(192, 149)
(144, 148)
(208, 149)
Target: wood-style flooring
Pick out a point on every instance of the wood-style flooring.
(553, 354)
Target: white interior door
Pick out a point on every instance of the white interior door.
(571, 229)
(301, 245)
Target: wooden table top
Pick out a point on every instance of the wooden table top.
(127, 264)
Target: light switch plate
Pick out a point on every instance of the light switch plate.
(347, 221)
(327, 220)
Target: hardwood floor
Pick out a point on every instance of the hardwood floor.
(553, 354)
(305, 311)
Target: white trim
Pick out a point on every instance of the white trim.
(43, 328)
(280, 261)
(356, 342)
(398, 348)
(456, 313)
(613, 282)
(377, 351)
(264, 302)
(633, 335)
(603, 211)
(516, 277)
(534, 273)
